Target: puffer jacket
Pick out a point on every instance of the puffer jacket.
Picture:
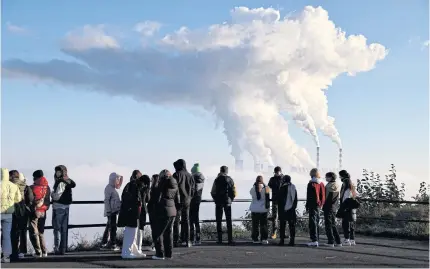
(42, 194)
(112, 200)
(10, 194)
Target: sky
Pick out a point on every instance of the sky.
(101, 87)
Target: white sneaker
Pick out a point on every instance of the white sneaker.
(346, 242)
(44, 255)
(21, 255)
(352, 242)
(256, 242)
(5, 260)
(141, 254)
(265, 242)
(313, 244)
(116, 249)
(157, 258)
(329, 245)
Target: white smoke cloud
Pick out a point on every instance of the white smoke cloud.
(247, 72)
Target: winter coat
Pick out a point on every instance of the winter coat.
(259, 205)
(165, 198)
(223, 190)
(185, 182)
(346, 198)
(332, 193)
(199, 181)
(23, 208)
(275, 183)
(41, 193)
(131, 205)
(287, 206)
(62, 190)
(10, 193)
(112, 201)
(315, 194)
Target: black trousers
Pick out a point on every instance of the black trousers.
(259, 226)
(274, 217)
(348, 229)
(109, 234)
(195, 220)
(18, 235)
(163, 235)
(314, 228)
(219, 208)
(182, 220)
(291, 219)
(330, 227)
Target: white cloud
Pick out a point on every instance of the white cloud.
(426, 44)
(147, 28)
(247, 72)
(16, 29)
(89, 37)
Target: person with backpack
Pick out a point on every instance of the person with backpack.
(9, 196)
(287, 201)
(186, 189)
(348, 208)
(62, 199)
(329, 208)
(199, 181)
(274, 184)
(223, 193)
(41, 193)
(315, 198)
(259, 207)
(112, 204)
(144, 184)
(21, 216)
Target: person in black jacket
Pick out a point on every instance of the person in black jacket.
(144, 185)
(199, 181)
(151, 207)
(329, 208)
(287, 202)
(164, 198)
(223, 193)
(186, 188)
(62, 199)
(274, 184)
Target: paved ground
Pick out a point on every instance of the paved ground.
(369, 252)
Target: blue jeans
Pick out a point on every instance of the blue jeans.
(314, 224)
(60, 222)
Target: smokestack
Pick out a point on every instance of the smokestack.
(318, 157)
(239, 165)
(340, 158)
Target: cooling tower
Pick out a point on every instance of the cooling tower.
(238, 165)
(318, 157)
(340, 159)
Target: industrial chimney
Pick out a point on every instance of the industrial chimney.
(340, 158)
(318, 157)
(239, 165)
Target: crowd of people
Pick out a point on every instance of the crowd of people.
(172, 203)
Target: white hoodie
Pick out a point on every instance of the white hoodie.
(259, 206)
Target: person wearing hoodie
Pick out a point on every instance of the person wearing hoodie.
(347, 208)
(223, 193)
(129, 216)
(21, 216)
(329, 209)
(42, 194)
(274, 184)
(144, 184)
(62, 199)
(315, 198)
(165, 198)
(10, 195)
(259, 207)
(199, 181)
(112, 204)
(151, 207)
(186, 189)
(287, 201)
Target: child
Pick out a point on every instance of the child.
(315, 198)
(347, 208)
(259, 207)
(329, 208)
(112, 207)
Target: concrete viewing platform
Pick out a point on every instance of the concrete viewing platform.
(369, 252)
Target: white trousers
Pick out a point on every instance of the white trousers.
(6, 225)
(139, 240)
(129, 244)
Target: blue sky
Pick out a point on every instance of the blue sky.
(382, 115)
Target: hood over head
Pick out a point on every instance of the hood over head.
(42, 181)
(134, 175)
(61, 168)
(196, 168)
(4, 175)
(223, 170)
(180, 165)
(22, 177)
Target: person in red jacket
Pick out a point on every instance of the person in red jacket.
(42, 194)
(315, 199)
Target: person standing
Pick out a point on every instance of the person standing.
(223, 193)
(199, 181)
(10, 195)
(62, 199)
(151, 208)
(112, 204)
(348, 208)
(287, 201)
(274, 184)
(329, 209)
(21, 216)
(315, 198)
(186, 188)
(42, 201)
(259, 207)
(165, 197)
(144, 184)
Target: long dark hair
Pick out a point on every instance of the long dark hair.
(258, 188)
(134, 175)
(155, 179)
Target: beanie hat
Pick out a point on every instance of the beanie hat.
(224, 169)
(195, 168)
(38, 174)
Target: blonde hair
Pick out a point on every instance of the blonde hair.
(314, 172)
